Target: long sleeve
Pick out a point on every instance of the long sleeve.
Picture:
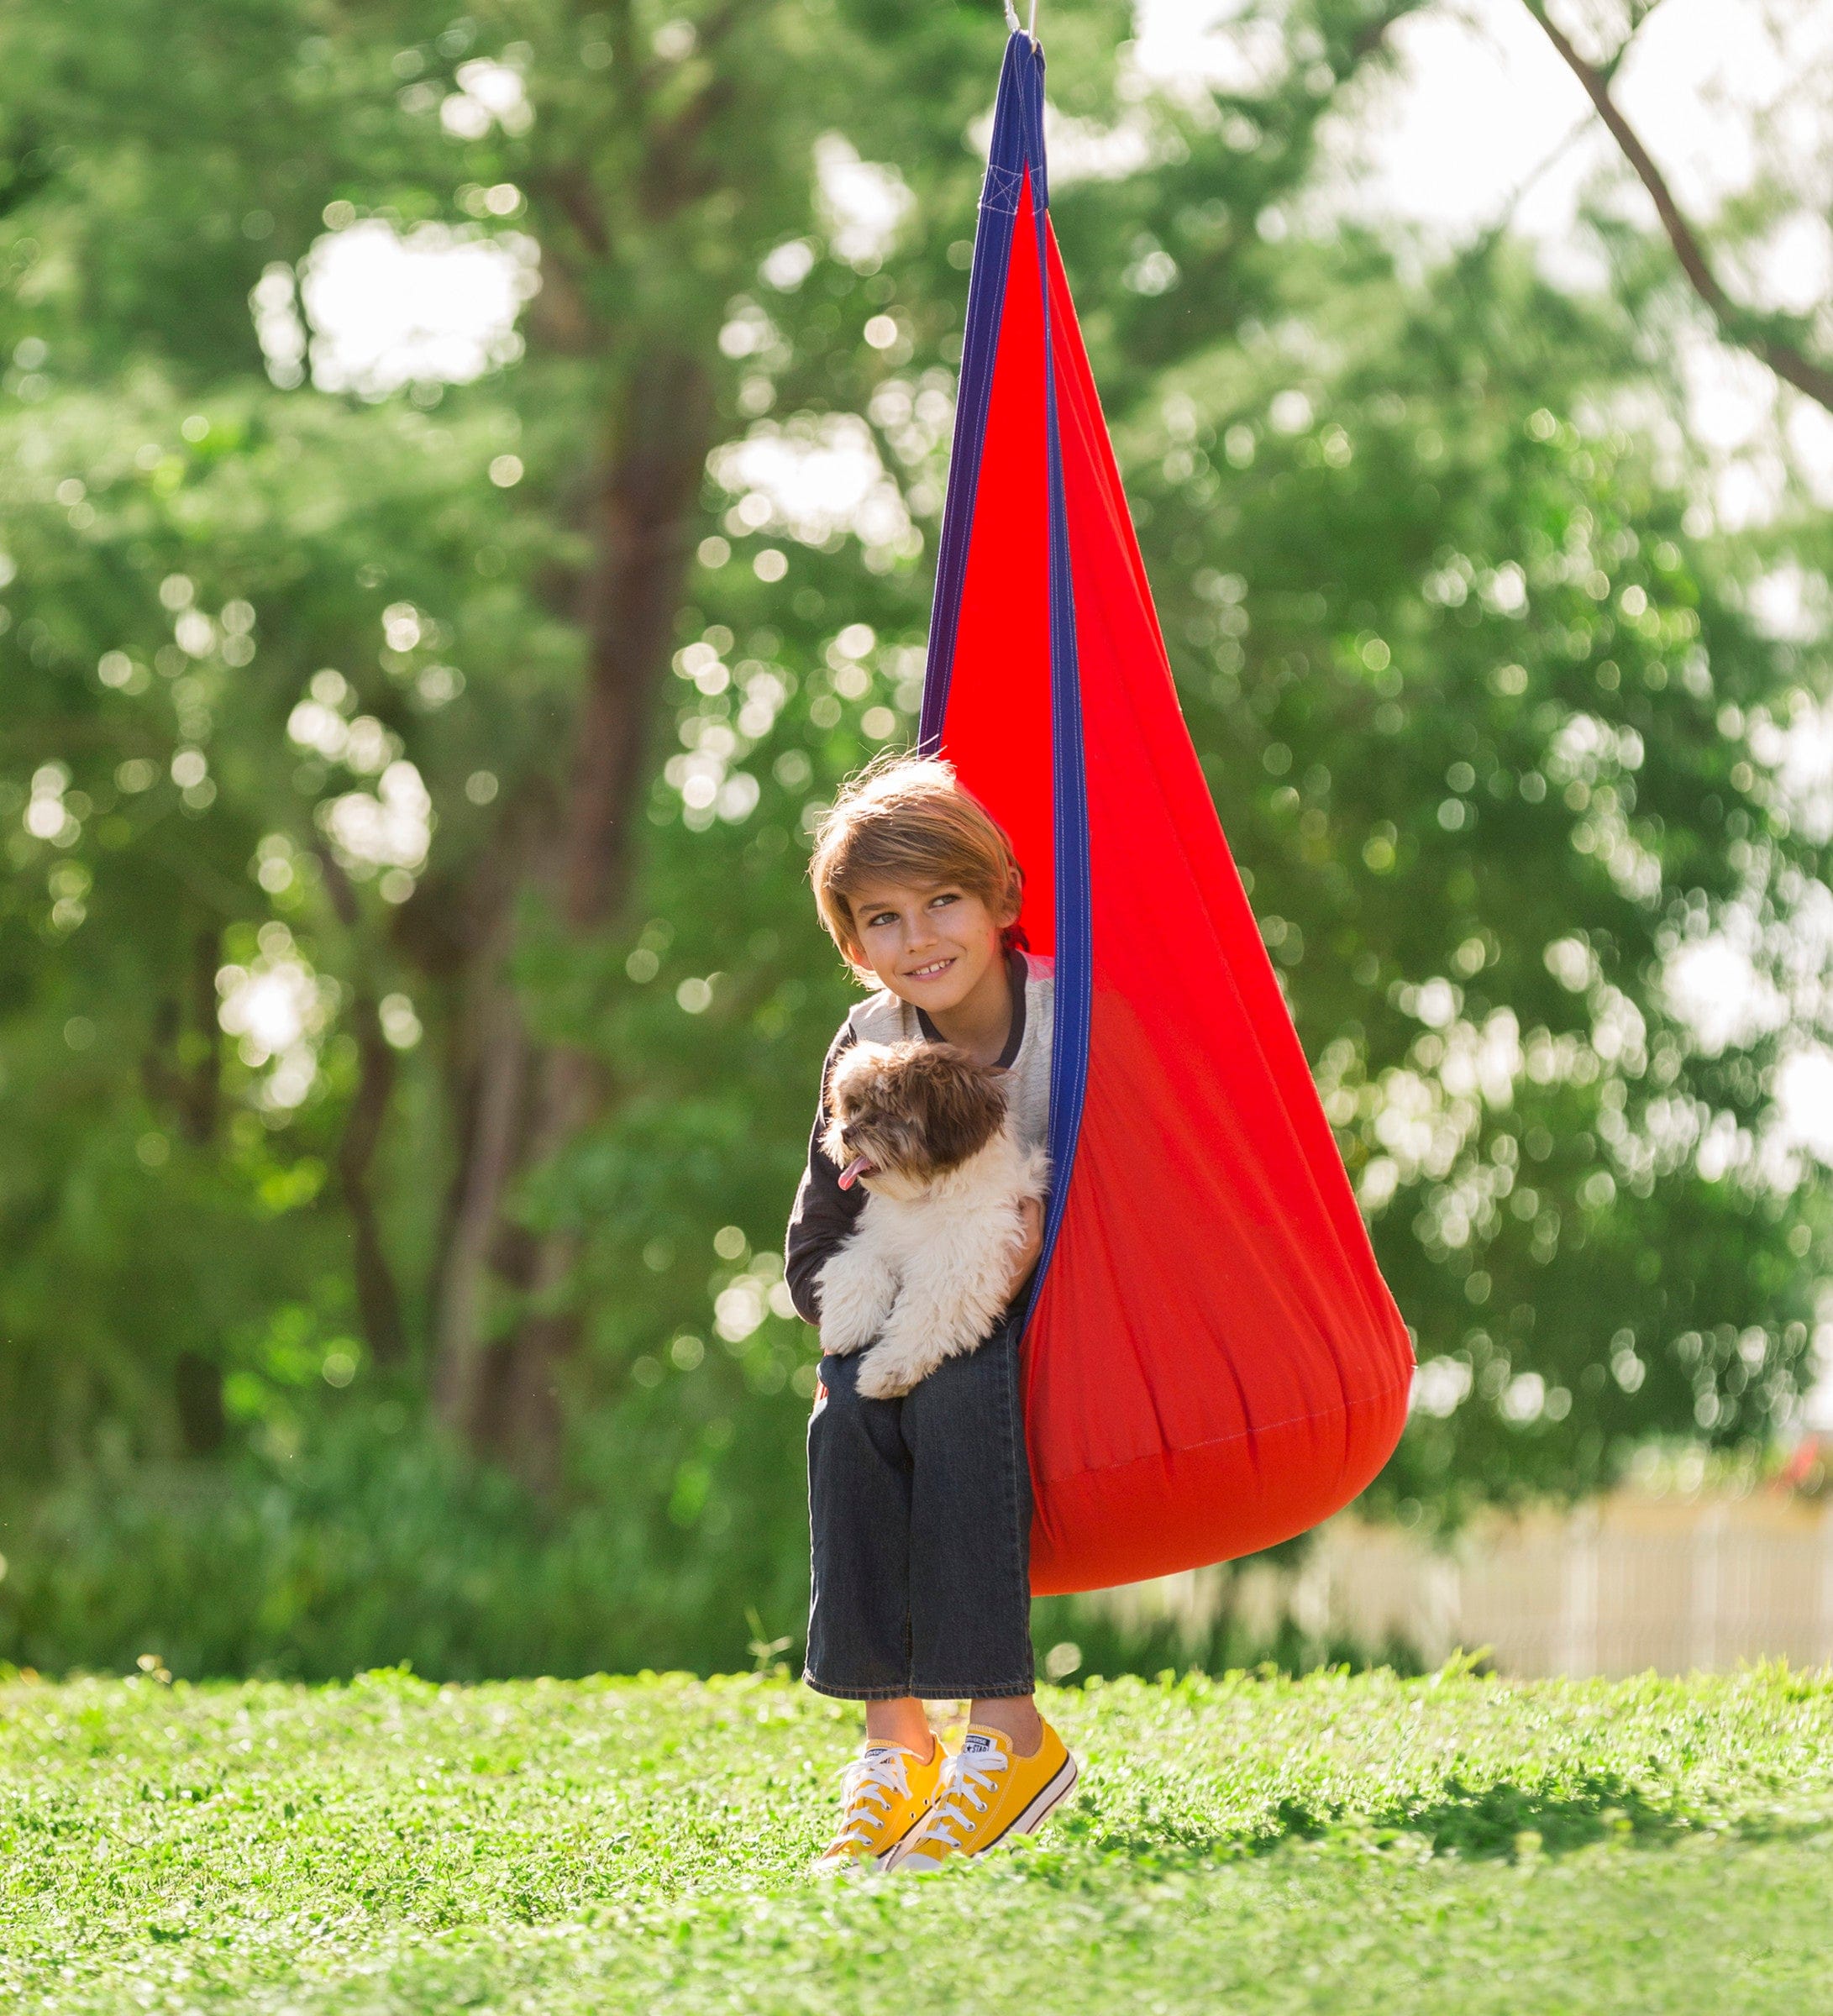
(824, 1213)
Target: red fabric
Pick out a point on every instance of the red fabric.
(999, 698)
(1213, 1363)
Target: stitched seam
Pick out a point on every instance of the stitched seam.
(1000, 191)
(856, 1693)
(1015, 1563)
(910, 1631)
(978, 1690)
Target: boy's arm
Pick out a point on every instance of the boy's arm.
(824, 1213)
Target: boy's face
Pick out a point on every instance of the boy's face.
(932, 945)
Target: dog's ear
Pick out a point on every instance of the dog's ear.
(963, 1103)
(857, 1066)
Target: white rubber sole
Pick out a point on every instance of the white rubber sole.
(1028, 1822)
(853, 1867)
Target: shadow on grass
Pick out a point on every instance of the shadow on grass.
(1506, 1819)
(1503, 1821)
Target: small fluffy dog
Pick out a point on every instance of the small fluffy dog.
(924, 1126)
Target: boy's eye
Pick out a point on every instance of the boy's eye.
(889, 916)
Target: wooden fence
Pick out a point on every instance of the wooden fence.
(1622, 1585)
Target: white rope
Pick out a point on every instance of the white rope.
(1011, 18)
(964, 1777)
(873, 1778)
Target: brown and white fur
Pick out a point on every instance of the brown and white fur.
(924, 1126)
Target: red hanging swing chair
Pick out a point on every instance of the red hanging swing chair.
(1212, 1362)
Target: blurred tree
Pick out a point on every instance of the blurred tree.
(1784, 342)
(358, 1047)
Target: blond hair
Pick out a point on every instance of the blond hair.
(906, 818)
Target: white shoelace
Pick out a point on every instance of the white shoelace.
(868, 1781)
(966, 1776)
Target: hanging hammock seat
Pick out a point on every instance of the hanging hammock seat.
(1212, 1362)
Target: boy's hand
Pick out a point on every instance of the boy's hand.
(1032, 1213)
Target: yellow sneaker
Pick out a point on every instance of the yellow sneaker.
(887, 1792)
(986, 1794)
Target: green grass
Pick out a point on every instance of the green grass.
(1331, 1843)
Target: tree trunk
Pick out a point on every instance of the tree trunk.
(182, 1068)
(378, 1299)
(378, 1302)
(491, 1078)
(526, 1102)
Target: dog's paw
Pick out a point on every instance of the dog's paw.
(850, 1319)
(877, 1383)
(889, 1371)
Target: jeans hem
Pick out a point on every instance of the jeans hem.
(854, 1693)
(1014, 1690)
(915, 1691)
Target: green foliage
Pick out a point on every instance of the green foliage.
(1447, 1843)
(298, 693)
(363, 1533)
(351, 1531)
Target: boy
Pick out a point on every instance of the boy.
(920, 1508)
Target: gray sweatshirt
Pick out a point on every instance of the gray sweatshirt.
(824, 1213)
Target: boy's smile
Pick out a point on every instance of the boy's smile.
(937, 945)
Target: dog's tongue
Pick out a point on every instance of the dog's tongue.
(861, 1165)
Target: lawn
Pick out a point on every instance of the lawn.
(1246, 1844)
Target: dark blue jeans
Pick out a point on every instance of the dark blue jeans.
(919, 1514)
